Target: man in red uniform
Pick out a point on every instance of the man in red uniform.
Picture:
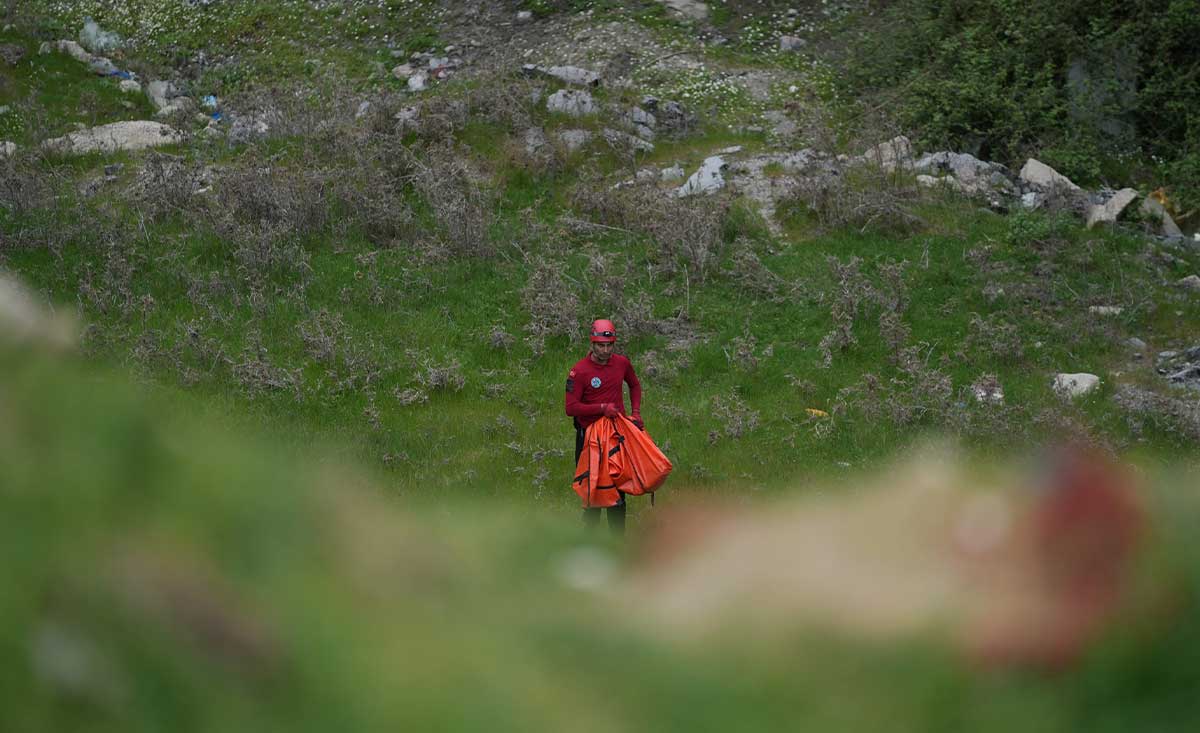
(595, 390)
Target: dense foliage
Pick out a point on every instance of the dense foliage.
(1089, 86)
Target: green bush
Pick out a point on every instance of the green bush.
(995, 77)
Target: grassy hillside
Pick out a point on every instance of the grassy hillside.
(309, 467)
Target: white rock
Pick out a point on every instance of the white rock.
(1075, 385)
(363, 108)
(129, 86)
(417, 82)
(573, 75)
(1110, 210)
(619, 139)
(1037, 173)
(707, 179)
(1153, 209)
(524, 16)
(575, 103)
(74, 50)
(160, 93)
(640, 116)
(674, 173)
(891, 154)
(535, 140)
(988, 394)
(573, 140)
(790, 43)
(690, 9)
(1031, 200)
(1191, 282)
(1136, 343)
(131, 135)
(403, 71)
(1106, 310)
(7, 148)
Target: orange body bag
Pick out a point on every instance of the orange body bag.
(617, 457)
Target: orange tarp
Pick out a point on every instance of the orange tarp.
(617, 457)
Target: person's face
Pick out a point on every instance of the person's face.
(603, 352)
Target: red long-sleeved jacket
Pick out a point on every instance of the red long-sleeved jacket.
(590, 385)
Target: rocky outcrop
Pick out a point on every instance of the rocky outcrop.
(131, 135)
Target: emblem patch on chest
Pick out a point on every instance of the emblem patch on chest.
(595, 382)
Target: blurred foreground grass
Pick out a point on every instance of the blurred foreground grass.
(163, 572)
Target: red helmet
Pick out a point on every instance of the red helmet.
(603, 332)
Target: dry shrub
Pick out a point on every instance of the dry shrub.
(167, 184)
(461, 204)
(688, 232)
(862, 199)
(918, 393)
(257, 375)
(550, 298)
(1173, 415)
(994, 338)
(27, 184)
(737, 419)
(321, 334)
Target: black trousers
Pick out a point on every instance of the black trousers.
(591, 515)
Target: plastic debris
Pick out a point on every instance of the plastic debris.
(209, 102)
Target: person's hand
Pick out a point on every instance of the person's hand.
(610, 410)
(637, 420)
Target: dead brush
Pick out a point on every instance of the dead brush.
(273, 197)
(321, 335)
(167, 185)
(461, 204)
(735, 415)
(551, 298)
(1175, 416)
(688, 232)
(865, 201)
(255, 373)
(994, 338)
(28, 185)
(918, 393)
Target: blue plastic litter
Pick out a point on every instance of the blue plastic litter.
(121, 74)
(209, 101)
(216, 116)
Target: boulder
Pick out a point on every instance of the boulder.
(403, 71)
(1071, 386)
(535, 140)
(781, 124)
(160, 93)
(623, 140)
(790, 43)
(418, 81)
(131, 135)
(891, 154)
(74, 50)
(1191, 283)
(571, 102)
(1110, 211)
(129, 86)
(674, 173)
(572, 75)
(689, 9)
(707, 179)
(573, 140)
(1154, 210)
(1037, 173)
